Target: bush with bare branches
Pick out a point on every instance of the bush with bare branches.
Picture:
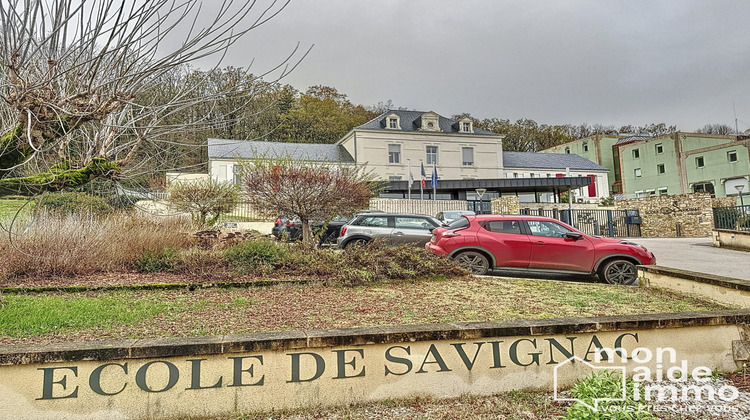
(76, 245)
(306, 190)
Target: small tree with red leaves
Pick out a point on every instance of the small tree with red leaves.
(306, 190)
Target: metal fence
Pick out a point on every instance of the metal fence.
(244, 212)
(428, 207)
(732, 218)
(612, 223)
(480, 206)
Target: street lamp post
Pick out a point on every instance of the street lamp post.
(480, 193)
(739, 189)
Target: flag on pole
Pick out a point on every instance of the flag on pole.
(423, 174)
(434, 181)
(411, 182)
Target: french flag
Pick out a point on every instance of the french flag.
(423, 175)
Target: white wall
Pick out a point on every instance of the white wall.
(372, 148)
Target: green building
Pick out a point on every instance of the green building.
(676, 163)
(596, 148)
(682, 163)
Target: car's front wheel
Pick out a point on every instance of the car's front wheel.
(619, 272)
(473, 261)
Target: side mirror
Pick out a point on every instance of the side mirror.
(573, 235)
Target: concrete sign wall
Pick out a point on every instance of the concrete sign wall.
(165, 378)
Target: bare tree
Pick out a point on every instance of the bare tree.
(75, 77)
(722, 129)
(306, 190)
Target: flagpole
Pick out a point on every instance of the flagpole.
(434, 183)
(421, 184)
(408, 186)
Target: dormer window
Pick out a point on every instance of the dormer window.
(464, 126)
(392, 122)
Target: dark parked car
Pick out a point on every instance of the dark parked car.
(537, 244)
(326, 232)
(392, 228)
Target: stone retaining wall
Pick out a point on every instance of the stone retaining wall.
(505, 205)
(662, 216)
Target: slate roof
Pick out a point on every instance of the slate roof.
(248, 149)
(530, 160)
(410, 122)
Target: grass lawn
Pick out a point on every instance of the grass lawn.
(9, 207)
(56, 317)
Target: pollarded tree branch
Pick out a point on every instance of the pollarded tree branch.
(59, 177)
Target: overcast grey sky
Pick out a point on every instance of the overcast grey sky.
(608, 62)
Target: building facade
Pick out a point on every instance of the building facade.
(396, 145)
(676, 163)
(682, 163)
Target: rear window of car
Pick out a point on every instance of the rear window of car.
(459, 223)
(412, 223)
(373, 221)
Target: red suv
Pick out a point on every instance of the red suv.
(537, 244)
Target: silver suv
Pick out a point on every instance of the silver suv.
(393, 228)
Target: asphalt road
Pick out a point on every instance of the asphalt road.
(692, 254)
(698, 254)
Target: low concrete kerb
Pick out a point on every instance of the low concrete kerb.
(712, 279)
(725, 290)
(295, 340)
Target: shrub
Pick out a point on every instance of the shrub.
(371, 262)
(607, 201)
(65, 203)
(202, 263)
(605, 384)
(256, 255)
(205, 200)
(111, 192)
(157, 261)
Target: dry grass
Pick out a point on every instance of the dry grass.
(78, 245)
(313, 307)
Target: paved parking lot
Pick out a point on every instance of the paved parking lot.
(698, 254)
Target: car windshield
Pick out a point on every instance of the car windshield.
(459, 223)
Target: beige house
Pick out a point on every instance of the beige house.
(397, 144)
(398, 140)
